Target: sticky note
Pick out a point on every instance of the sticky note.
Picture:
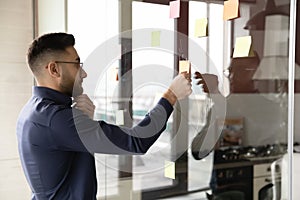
(231, 9)
(201, 27)
(155, 38)
(243, 47)
(157, 98)
(170, 169)
(184, 66)
(120, 117)
(113, 73)
(119, 53)
(174, 9)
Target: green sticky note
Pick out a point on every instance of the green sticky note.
(155, 38)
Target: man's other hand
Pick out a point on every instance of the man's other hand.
(209, 82)
(84, 103)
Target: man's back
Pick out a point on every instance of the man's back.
(54, 170)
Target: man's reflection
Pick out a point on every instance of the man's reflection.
(239, 73)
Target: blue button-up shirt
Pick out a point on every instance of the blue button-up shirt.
(57, 143)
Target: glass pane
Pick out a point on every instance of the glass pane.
(246, 160)
(211, 48)
(148, 86)
(95, 24)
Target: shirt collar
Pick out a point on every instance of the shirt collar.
(56, 96)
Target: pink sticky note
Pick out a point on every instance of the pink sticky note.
(174, 9)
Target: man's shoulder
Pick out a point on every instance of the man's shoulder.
(41, 111)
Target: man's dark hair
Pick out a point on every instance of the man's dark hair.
(51, 44)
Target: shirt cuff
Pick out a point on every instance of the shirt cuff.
(166, 104)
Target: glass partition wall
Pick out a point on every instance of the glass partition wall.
(148, 169)
(237, 141)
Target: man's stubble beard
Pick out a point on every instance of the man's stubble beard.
(71, 88)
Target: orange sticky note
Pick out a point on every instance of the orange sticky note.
(231, 9)
(243, 47)
(201, 27)
(174, 9)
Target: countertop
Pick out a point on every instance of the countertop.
(247, 162)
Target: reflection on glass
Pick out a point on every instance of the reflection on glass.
(102, 18)
(150, 67)
(212, 64)
(264, 114)
(259, 98)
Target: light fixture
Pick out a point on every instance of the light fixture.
(272, 73)
(274, 63)
(257, 22)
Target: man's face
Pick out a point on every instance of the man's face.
(241, 72)
(240, 79)
(72, 74)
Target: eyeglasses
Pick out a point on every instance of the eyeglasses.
(69, 62)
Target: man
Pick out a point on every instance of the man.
(199, 148)
(239, 73)
(57, 141)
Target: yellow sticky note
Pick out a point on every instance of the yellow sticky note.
(170, 169)
(243, 47)
(231, 9)
(155, 38)
(174, 9)
(201, 27)
(184, 66)
(120, 117)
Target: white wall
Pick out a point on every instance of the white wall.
(15, 88)
(51, 16)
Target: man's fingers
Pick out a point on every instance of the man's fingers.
(83, 106)
(200, 82)
(197, 75)
(84, 103)
(83, 98)
(186, 75)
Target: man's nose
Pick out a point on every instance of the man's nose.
(83, 73)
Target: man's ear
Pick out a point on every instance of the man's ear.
(53, 69)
